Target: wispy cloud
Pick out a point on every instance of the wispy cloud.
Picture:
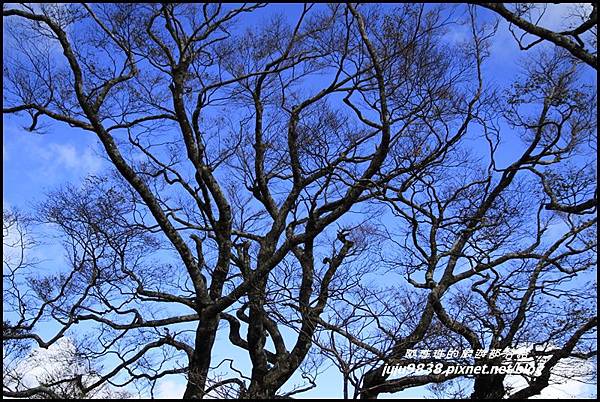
(33, 162)
(69, 157)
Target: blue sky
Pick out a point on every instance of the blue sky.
(35, 163)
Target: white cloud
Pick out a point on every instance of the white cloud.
(59, 361)
(170, 389)
(567, 381)
(70, 157)
(37, 156)
(46, 362)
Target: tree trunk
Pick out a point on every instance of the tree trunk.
(200, 362)
(488, 387)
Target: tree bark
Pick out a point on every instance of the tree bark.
(200, 362)
(489, 387)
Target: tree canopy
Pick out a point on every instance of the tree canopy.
(330, 187)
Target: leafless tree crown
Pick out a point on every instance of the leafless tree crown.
(327, 187)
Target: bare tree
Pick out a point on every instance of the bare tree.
(488, 262)
(237, 196)
(580, 40)
(249, 169)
